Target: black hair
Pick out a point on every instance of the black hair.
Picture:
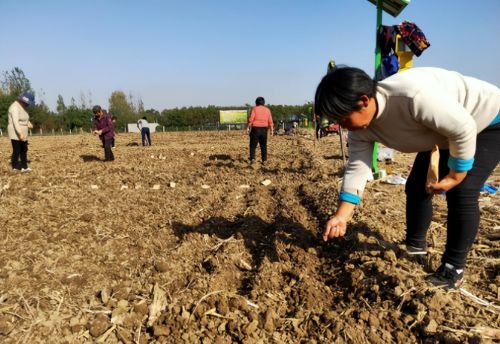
(144, 118)
(113, 118)
(339, 92)
(260, 101)
(96, 109)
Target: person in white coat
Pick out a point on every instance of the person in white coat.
(18, 128)
(143, 126)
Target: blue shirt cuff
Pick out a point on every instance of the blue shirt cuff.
(496, 120)
(349, 197)
(460, 165)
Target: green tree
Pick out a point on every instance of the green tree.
(140, 106)
(131, 103)
(41, 117)
(75, 118)
(190, 116)
(12, 84)
(15, 82)
(5, 101)
(120, 107)
(61, 107)
(83, 101)
(152, 115)
(118, 104)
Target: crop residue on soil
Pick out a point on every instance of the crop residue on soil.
(185, 242)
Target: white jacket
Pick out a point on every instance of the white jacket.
(417, 109)
(18, 122)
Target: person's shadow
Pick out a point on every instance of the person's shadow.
(220, 160)
(223, 157)
(89, 158)
(260, 239)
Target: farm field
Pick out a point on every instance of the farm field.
(181, 242)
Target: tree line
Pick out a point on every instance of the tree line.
(75, 116)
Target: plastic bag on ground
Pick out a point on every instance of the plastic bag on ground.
(395, 180)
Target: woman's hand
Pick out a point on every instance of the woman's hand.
(30, 125)
(451, 180)
(335, 227)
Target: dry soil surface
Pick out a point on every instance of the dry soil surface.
(181, 242)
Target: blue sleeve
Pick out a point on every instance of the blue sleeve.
(460, 165)
(349, 197)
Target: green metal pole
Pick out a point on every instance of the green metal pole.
(378, 61)
(378, 54)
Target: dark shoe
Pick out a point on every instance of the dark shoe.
(447, 277)
(416, 254)
(415, 251)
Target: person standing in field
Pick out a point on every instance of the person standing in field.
(143, 126)
(102, 137)
(103, 126)
(259, 124)
(18, 128)
(414, 111)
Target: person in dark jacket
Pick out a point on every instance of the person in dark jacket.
(103, 126)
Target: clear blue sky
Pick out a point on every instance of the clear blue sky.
(173, 53)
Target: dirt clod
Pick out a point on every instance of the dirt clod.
(100, 324)
(5, 327)
(162, 266)
(161, 330)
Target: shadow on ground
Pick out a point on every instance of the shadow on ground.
(89, 158)
(260, 238)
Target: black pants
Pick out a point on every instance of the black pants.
(462, 200)
(112, 142)
(19, 151)
(145, 133)
(108, 152)
(258, 135)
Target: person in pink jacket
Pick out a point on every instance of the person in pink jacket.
(259, 124)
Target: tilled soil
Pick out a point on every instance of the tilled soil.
(181, 242)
